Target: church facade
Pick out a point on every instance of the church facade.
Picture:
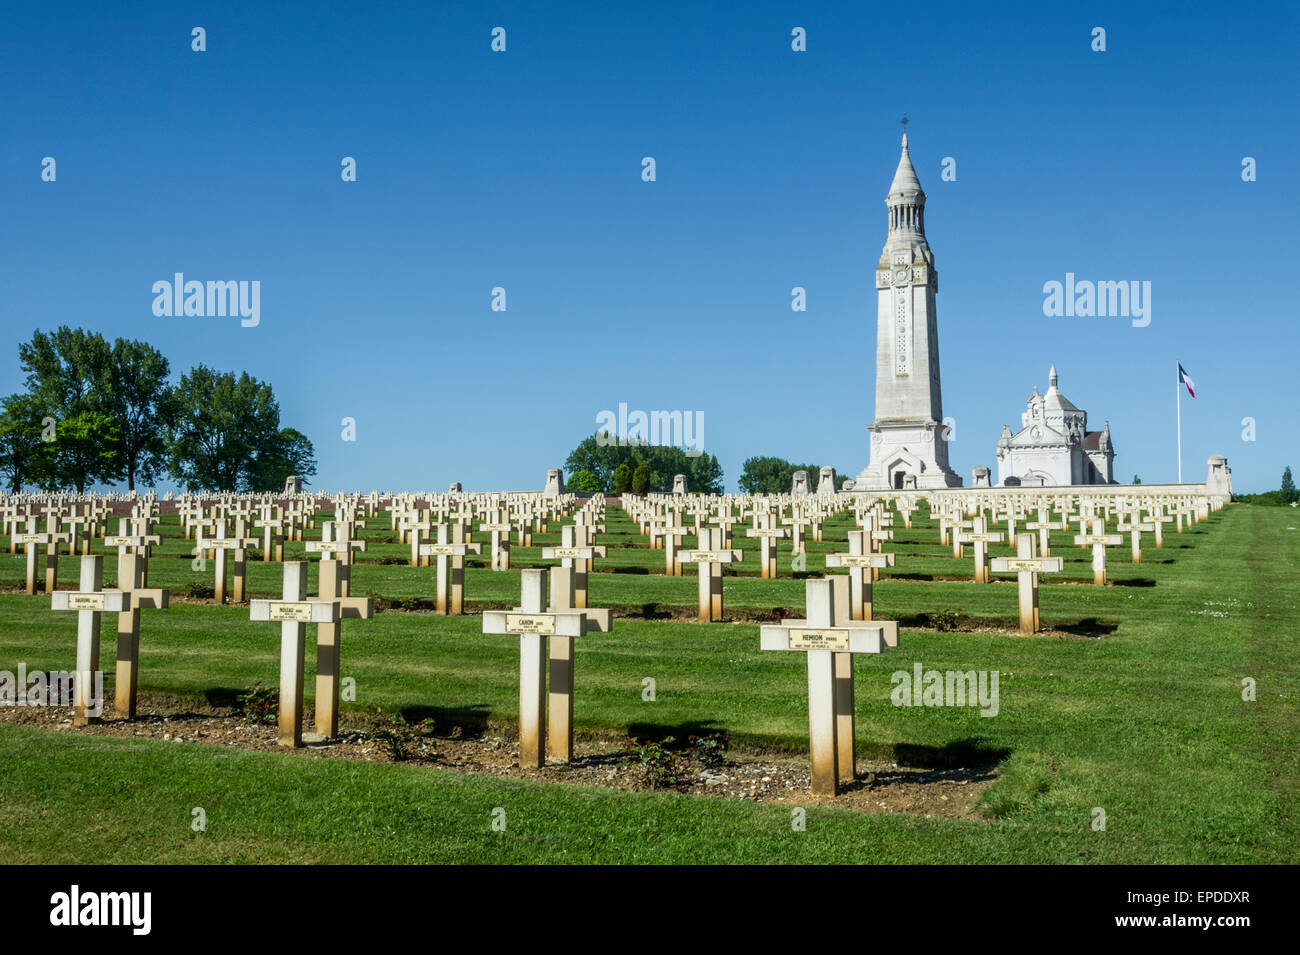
(1054, 446)
(908, 445)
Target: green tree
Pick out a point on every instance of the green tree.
(641, 479)
(289, 453)
(703, 476)
(604, 457)
(65, 370)
(68, 374)
(217, 426)
(771, 475)
(622, 478)
(24, 457)
(1289, 494)
(1136, 479)
(584, 482)
(135, 389)
(85, 449)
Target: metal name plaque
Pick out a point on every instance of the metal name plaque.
(295, 612)
(1018, 565)
(530, 623)
(811, 639)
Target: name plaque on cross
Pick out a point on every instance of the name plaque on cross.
(299, 612)
(86, 602)
(707, 556)
(856, 560)
(1012, 565)
(530, 623)
(817, 639)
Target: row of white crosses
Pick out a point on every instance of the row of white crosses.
(497, 515)
(133, 537)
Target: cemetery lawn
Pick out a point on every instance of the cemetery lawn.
(1135, 707)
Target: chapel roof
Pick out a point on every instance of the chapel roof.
(1054, 400)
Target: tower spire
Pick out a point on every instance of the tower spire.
(906, 201)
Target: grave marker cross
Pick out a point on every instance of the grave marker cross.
(822, 635)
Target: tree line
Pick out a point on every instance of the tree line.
(641, 468)
(96, 412)
(599, 464)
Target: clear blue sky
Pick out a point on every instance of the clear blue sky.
(523, 170)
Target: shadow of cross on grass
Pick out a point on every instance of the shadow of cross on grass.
(680, 734)
(973, 752)
(450, 722)
(1089, 627)
(224, 696)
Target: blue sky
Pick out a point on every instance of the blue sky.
(522, 170)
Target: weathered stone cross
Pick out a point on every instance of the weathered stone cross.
(709, 559)
(32, 541)
(860, 563)
(90, 601)
(823, 635)
(1027, 567)
(293, 612)
(130, 580)
(533, 624)
(219, 545)
(1098, 540)
(328, 644)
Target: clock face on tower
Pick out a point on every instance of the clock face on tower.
(901, 276)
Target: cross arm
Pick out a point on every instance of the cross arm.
(547, 624)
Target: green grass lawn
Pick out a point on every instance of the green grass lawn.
(1141, 715)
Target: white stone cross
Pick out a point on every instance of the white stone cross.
(1045, 526)
(219, 544)
(1134, 528)
(449, 585)
(331, 572)
(559, 728)
(981, 538)
(130, 580)
(709, 558)
(32, 542)
(767, 537)
(500, 530)
(1027, 567)
(533, 624)
(861, 564)
(1098, 540)
(577, 553)
(293, 612)
(823, 635)
(90, 601)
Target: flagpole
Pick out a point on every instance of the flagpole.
(1178, 399)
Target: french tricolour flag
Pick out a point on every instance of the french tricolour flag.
(1183, 378)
